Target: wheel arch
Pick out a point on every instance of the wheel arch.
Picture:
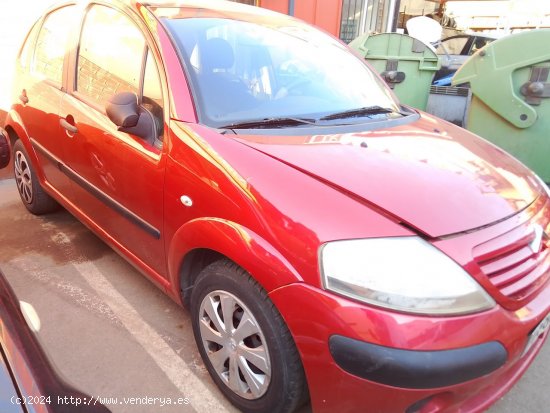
(192, 265)
(12, 135)
(202, 241)
(16, 130)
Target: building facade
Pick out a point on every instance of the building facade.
(345, 19)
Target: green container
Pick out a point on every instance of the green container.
(510, 106)
(407, 64)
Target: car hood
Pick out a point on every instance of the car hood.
(434, 177)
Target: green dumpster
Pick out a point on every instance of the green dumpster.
(510, 104)
(407, 64)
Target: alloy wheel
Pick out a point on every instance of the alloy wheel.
(23, 177)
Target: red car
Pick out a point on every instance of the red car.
(329, 242)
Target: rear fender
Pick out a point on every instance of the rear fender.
(15, 123)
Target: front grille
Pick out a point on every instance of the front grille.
(517, 262)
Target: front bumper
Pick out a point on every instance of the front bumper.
(317, 318)
(416, 369)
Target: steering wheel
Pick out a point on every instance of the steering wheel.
(285, 90)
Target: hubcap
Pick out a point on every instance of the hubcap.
(23, 176)
(235, 344)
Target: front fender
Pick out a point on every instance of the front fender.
(241, 245)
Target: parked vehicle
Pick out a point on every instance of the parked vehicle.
(28, 381)
(4, 149)
(328, 241)
(454, 51)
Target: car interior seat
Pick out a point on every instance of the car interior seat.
(223, 91)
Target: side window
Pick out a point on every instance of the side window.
(51, 44)
(152, 92)
(479, 43)
(25, 54)
(453, 45)
(110, 56)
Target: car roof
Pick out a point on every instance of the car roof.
(209, 8)
(193, 8)
(469, 35)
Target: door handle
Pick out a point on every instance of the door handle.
(23, 97)
(67, 126)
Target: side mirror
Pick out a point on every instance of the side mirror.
(123, 110)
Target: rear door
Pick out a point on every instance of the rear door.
(119, 176)
(39, 92)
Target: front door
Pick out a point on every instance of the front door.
(119, 176)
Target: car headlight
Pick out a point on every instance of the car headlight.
(404, 273)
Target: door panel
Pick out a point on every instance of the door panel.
(39, 88)
(120, 180)
(119, 177)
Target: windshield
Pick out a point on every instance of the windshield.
(242, 72)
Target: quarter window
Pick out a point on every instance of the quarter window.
(25, 54)
(110, 57)
(152, 92)
(51, 45)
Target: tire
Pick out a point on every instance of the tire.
(33, 196)
(275, 382)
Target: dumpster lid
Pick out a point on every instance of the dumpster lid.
(396, 46)
(489, 72)
(424, 29)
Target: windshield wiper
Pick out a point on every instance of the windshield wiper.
(368, 110)
(269, 122)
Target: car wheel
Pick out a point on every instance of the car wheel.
(244, 342)
(35, 199)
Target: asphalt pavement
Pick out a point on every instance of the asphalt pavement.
(116, 336)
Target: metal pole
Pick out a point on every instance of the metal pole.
(393, 15)
(291, 7)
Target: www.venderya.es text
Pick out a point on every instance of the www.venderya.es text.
(95, 400)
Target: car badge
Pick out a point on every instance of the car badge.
(540, 238)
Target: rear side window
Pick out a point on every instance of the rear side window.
(51, 44)
(110, 56)
(25, 54)
(453, 45)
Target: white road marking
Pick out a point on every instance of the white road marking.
(109, 302)
(201, 398)
(31, 266)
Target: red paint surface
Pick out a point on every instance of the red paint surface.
(269, 203)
